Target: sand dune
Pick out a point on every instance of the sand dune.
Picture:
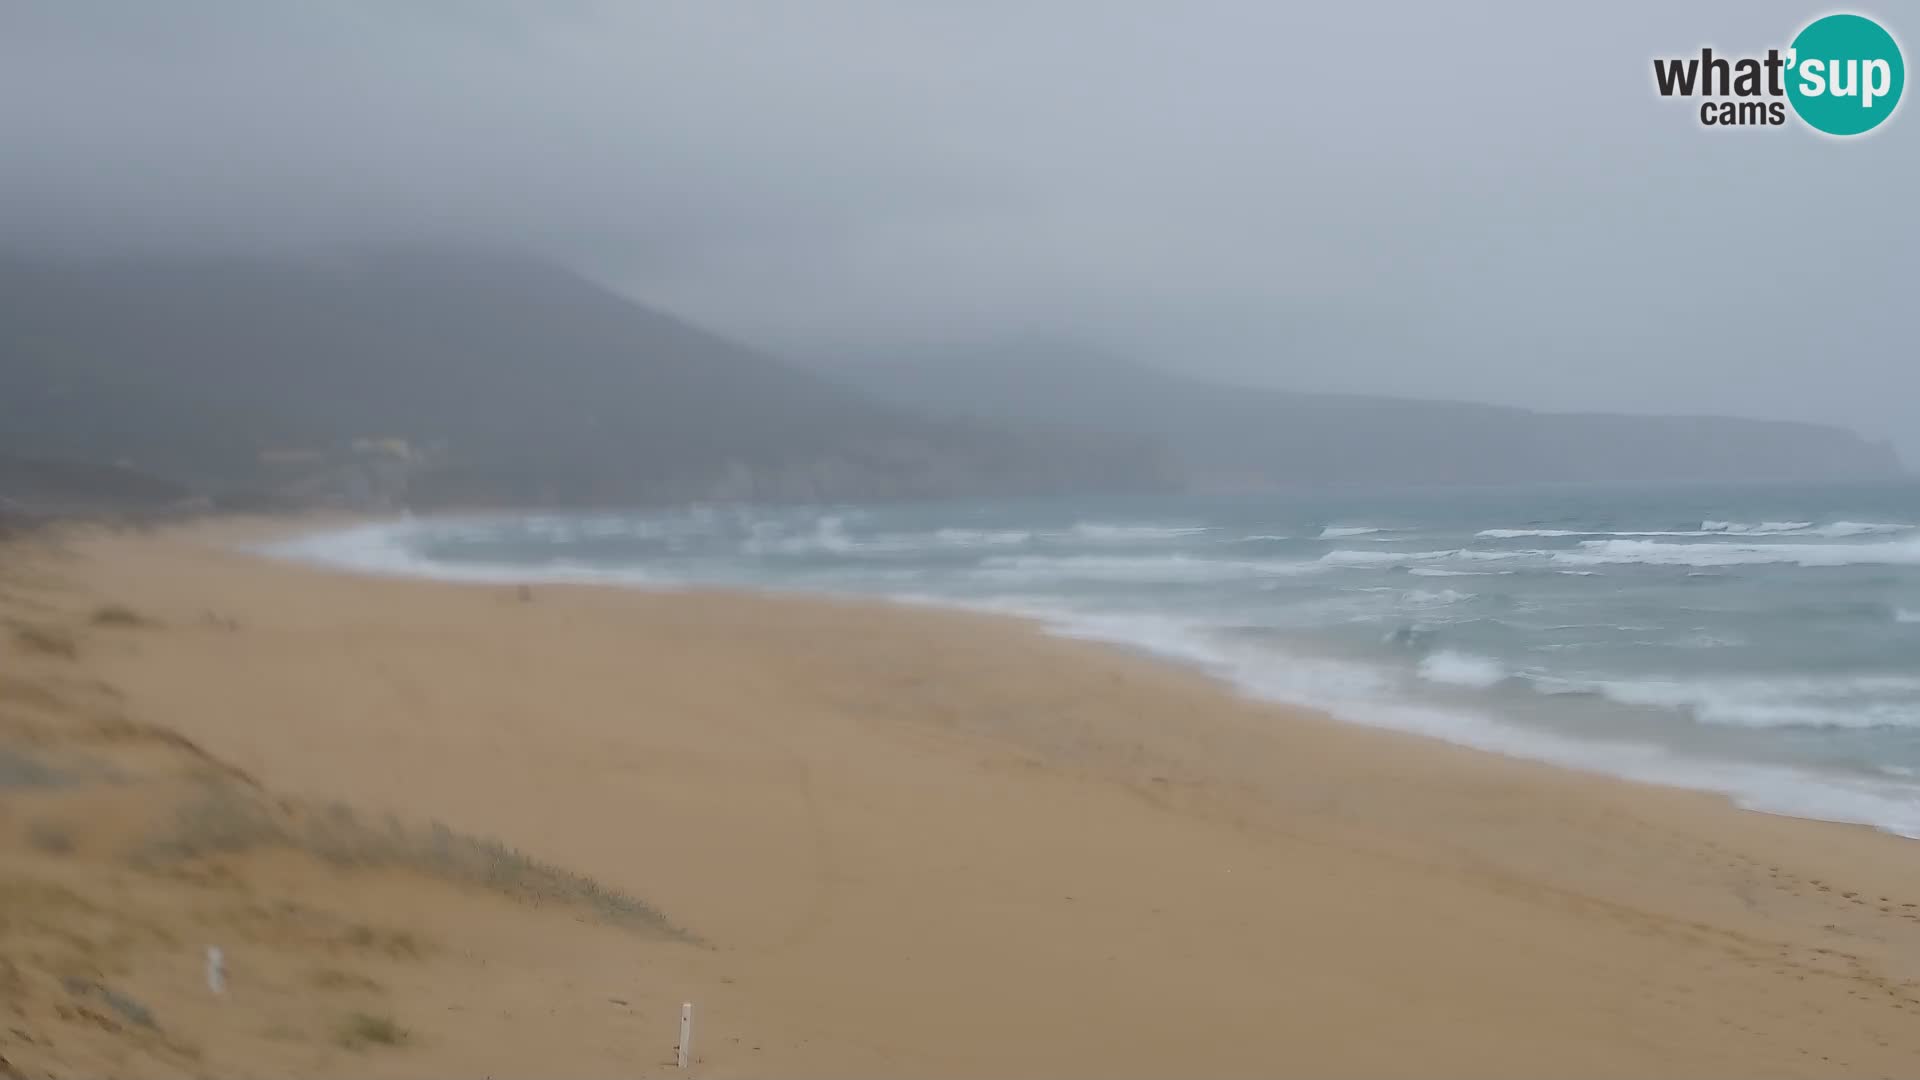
(879, 841)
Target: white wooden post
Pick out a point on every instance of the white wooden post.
(216, 970)
(686, 1032)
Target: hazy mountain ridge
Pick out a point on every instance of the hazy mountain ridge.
(481, 380)
(1231, 437)
(466, 380)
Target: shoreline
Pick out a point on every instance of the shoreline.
(926, 842)
(1795, 791)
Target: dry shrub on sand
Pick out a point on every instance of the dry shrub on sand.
(361, 1029)
(45, 641)
(118, 615)
(49, 838)
(230, 819)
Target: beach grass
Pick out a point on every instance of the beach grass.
(45, 641)
(361, 1029)
(229, 819)
(118, 615)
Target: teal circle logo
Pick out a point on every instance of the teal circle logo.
(1845, 74)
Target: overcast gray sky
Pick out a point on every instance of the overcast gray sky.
(1470, 200)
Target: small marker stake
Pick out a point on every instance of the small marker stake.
(216, 970)
(686, 1032)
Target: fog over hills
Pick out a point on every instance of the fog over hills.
(1229, 436)
(864, 179)
(467, 379)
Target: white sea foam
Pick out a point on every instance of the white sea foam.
(1451, 668)
(828, 536)
(982, 537)
(1905, 552)
(1415, 560)
(1514, 534)
(1838, 530)
(1842, 529)
(1382, 694)
(1349, 557)
(1186, 640)
(1764, 528)
(1335, 532)
(1704, 639)
(1432, 597)
(1345, 557)
(1862, 701)
(1140, 569)
(1906, 615)
(1109, 532)
(1364, 694)
(391, 549)
(1901, 552)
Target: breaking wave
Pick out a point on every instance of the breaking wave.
(1715, 674)
(1138, 569)
(1867, 701)
(1104, 532)
(1655, 553)
(1450, 668)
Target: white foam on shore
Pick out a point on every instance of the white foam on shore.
(1361, 693)
(1858, 701)
(1142, 569)
(1366, 695)
(1450, 668)
(828, 535)
(386, 549)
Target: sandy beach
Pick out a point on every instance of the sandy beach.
(869, 841)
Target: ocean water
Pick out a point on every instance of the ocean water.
(1764, 644)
